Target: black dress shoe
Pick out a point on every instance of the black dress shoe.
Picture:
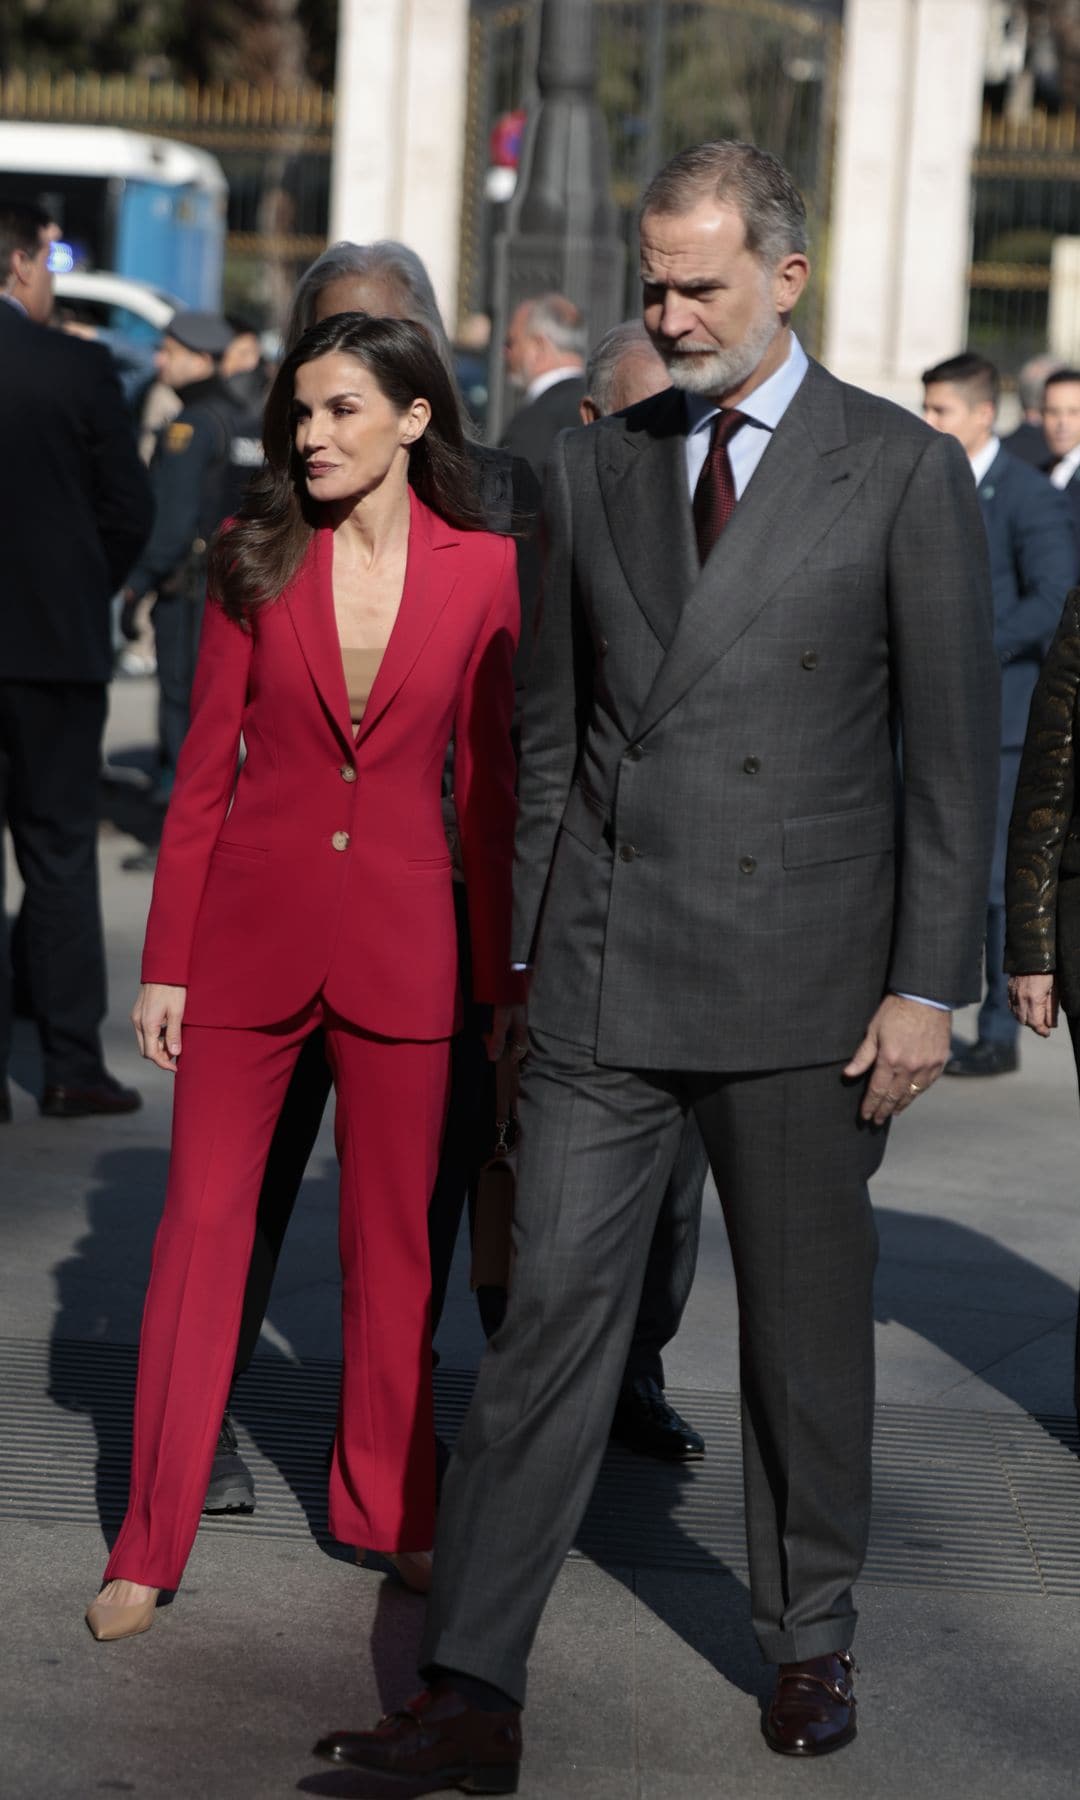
(645, 1422)
(231, 1488)
(983, 1058)
(438, 1741)
(105, 1096)
(812, 1710)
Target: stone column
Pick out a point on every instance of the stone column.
(1064, 324)
(399, 118)
(911, 92)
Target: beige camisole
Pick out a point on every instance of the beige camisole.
(361, 668)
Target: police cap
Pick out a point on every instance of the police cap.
(206, 332)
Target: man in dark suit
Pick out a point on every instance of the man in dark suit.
(1034, 561)
(752, 580)
(75, 508)
(1061, 428)
(545, 359)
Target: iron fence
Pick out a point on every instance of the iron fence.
(1025, 193)
(671, 72)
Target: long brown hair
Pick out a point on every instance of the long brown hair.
(255, 559)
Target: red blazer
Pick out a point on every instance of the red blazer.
(323, 865)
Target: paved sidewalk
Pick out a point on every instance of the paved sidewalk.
(646, 1682)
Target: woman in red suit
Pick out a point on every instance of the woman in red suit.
(359, 621)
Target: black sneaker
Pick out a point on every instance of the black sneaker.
(232, 1487)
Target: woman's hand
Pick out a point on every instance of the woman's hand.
(1034, 1001)
(508, 1032)
(157, 1016)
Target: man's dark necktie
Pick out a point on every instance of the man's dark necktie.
(714, 496)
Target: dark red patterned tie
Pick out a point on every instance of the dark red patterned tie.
(714, 496)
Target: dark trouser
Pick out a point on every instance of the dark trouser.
(673, 1254)
(996, 1022)
(177, 623)
(50, 751)
(791, 1163)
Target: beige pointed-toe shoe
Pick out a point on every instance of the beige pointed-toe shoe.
(108, 1622)
(414, 1567)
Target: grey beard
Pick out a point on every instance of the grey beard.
(718, 371)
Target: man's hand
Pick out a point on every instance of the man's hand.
(1034, 1001)
(905, 1049)
(157, 1016)
(508, 1032)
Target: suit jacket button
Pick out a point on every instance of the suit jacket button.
(347, 772)
(635, 753)
(340, 840)
(809, 659)
(747, 864)
(751, 765)
(627, 852)
(602, 647)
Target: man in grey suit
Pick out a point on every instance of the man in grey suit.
(741, 898)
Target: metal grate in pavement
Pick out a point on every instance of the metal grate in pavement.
(966, 1500)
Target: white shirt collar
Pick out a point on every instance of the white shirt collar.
(1062, 472)
(767, 404)
(542, 382)
(983, 460)
(17, 304)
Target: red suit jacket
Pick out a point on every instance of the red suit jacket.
(323, 866)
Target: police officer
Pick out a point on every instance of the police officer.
(202, 464)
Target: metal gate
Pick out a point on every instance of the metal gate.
(671, 72)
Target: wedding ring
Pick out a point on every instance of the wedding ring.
(914, 1088)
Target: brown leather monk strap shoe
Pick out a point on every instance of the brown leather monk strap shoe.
(812, 1710)
(437, 1741)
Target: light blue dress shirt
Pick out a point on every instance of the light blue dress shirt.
(763, 410)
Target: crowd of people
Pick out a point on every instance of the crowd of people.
(723, 790)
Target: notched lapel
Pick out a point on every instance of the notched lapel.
(431, 573)
(642, 476)
(806, 478)
(310, 601)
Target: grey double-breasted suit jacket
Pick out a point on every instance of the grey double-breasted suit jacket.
(721, 864)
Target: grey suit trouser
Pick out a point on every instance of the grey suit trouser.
(791, 1164)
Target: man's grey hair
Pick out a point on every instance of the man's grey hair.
(753, 181)
(556, 318)
(1032, 379)
(602, 367)
(385, 260)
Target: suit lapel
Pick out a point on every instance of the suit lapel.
(805, 479)
(431, 572)
(430, 575)
(642, 475)
(310, 601)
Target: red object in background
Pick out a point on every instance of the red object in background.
(504, 144)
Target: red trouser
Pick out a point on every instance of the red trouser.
(391, 1102)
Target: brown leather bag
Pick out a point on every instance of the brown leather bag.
(492, 1243)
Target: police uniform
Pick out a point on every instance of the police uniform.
(201, 467)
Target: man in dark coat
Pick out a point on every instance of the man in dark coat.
(203, 462)
(75, 509)
(545, 359)
(1034, 561)
(739, 901)
(1061, 429)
